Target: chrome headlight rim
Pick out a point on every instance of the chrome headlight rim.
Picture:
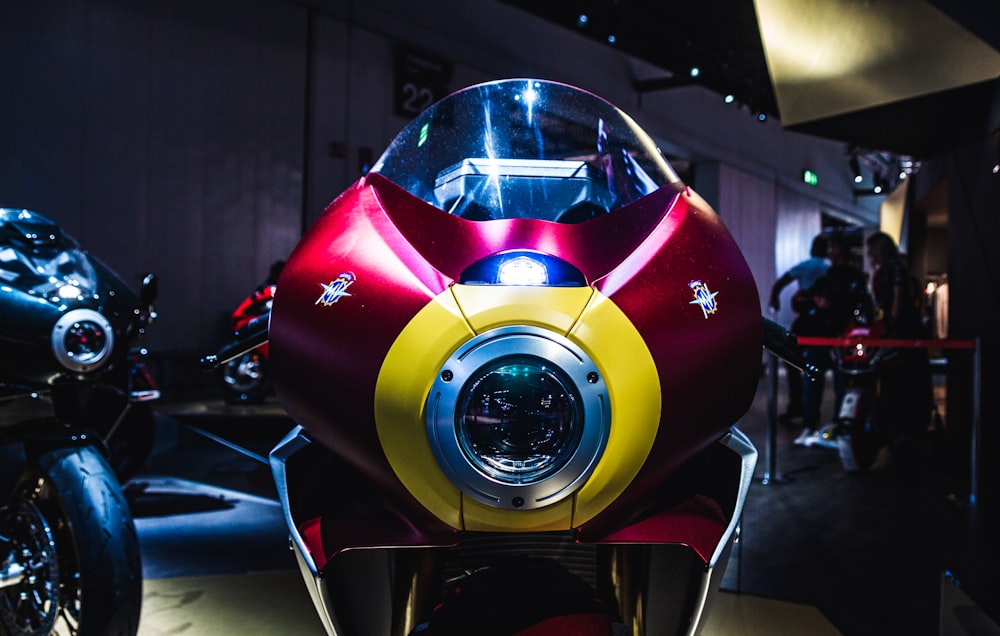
(560, 357)
(76, 319)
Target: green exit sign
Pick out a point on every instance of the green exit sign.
(810, 177)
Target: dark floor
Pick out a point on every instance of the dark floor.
(875, 553)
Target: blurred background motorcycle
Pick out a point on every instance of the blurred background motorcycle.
(246, 378)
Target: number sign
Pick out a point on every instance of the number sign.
(421, 80)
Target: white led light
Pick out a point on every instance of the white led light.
(69, 291)
(522, 270)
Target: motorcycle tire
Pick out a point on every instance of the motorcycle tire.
(246, 379)
(858, 444)
(70, 523)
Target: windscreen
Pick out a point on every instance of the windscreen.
(525, 148)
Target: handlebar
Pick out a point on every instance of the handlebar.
(251, 336)
(783, 343)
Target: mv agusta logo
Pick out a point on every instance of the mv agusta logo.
(704, 298)
(335, 289)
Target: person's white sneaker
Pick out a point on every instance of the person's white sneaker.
(805, 438)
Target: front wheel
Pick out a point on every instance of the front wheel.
(245, 379)
(72, 544)
(859, 443)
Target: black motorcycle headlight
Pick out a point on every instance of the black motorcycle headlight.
(518, 417)
(82, 340)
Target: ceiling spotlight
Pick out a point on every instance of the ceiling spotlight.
(877, 189)
(695, 71)
(612, 39)
(761, 117)
(730, 98)
(582, 20)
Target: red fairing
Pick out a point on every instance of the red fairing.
(698, 522)
(451, 243)
(253, 306)
(392, 253)
(709, 364)
(327, 350)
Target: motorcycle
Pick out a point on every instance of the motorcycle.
(75, 422)
(246, 379)
(855, 433)
(515, 351)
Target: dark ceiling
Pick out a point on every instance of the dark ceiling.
(723, 39)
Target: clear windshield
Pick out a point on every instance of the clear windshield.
(525, 149)
(37, 257)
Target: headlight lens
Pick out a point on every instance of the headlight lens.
(518, 417)
(519, 421)
(85, 341)
(82, 340)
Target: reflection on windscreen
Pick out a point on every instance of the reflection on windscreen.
(525, 149)
(550, 190)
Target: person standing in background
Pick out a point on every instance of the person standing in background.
(905, 403)
(805, 273)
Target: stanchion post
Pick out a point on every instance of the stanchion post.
(977, 421)
(771, 445)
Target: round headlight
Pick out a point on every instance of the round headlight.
(82, 340)
(519, 420)
(518, 417)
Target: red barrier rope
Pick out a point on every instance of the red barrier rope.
(886, 342)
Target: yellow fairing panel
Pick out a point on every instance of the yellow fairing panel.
(591, 321)
(401, 391)
(609, 337)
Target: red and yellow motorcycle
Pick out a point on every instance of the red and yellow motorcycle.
(515, 350)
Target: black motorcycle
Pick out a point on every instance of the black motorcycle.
(75, 422)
